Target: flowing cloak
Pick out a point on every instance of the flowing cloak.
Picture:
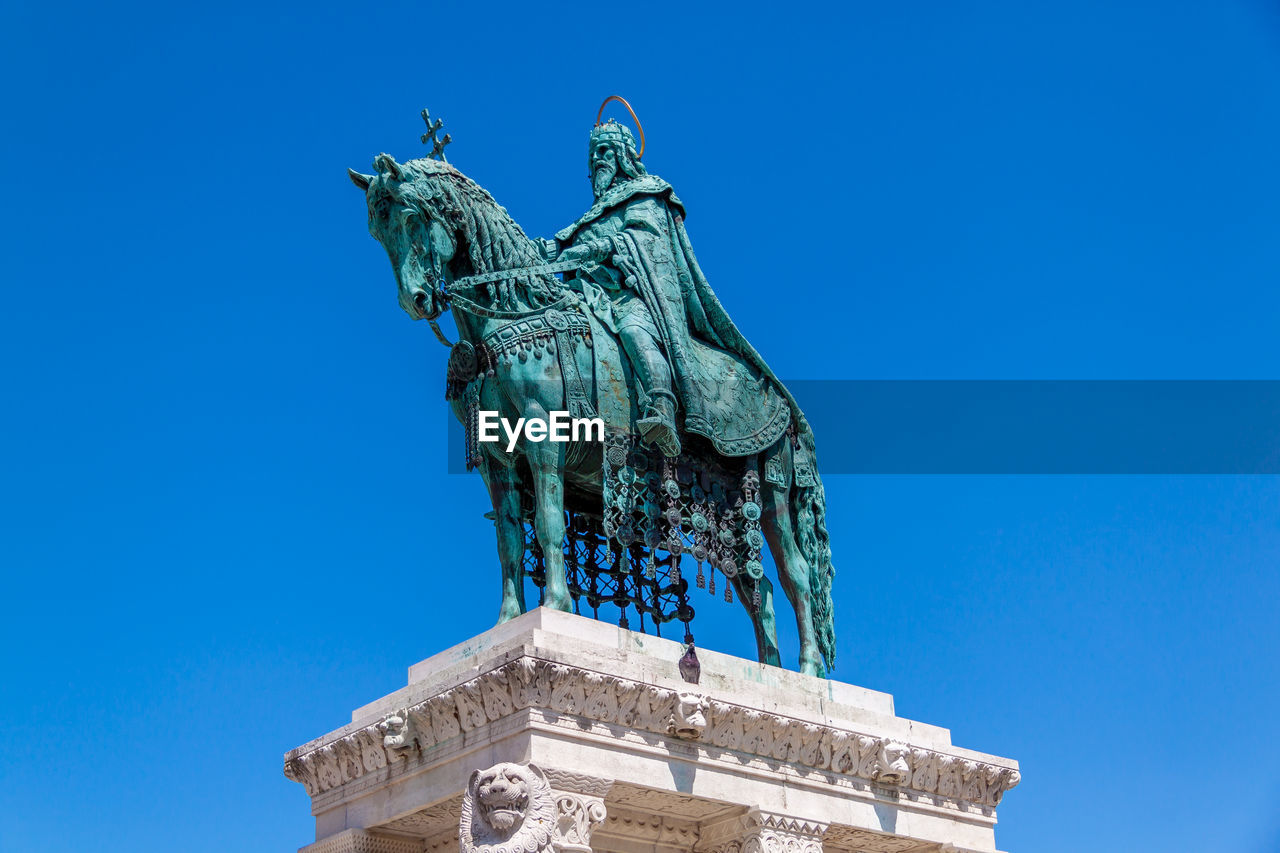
(728, 393)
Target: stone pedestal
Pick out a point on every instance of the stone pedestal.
(752, 759)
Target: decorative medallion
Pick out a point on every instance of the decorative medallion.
(556, 319)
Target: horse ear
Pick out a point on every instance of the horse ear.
(387, 164)
(360, 180)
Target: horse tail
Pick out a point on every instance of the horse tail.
(809, 508)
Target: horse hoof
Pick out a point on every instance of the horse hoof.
(814, 668)
(559, 602)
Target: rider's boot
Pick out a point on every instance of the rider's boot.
(658, 426)
(653, 374)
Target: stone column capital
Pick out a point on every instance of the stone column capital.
(577, 815)
(760, 831)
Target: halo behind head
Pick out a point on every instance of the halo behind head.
(623, 101)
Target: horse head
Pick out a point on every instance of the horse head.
(403, 218)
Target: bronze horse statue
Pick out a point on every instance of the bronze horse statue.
(441, 230)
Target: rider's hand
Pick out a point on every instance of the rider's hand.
(581, 252)
(587, 251)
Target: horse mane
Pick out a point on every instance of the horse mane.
(493, 241)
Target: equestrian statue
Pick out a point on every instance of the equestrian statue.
(705, 455)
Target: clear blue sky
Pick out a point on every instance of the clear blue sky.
(226, 518)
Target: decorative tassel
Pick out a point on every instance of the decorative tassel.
(728, 592)
(711, 587)
(471, 415)
(702, 581)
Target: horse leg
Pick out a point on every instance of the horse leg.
(505, 495)
(793, 568)
(546, 461)
(762, 618)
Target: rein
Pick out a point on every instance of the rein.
(503, 275)
(450, 294)
(440, 336)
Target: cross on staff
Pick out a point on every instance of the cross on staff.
(437, 145)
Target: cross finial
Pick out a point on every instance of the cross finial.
(437, 145)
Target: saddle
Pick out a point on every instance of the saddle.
(740, 412)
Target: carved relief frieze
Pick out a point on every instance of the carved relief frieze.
(653, 713)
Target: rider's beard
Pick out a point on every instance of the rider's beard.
(603, 177)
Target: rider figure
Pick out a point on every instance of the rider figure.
(623, 230)
(639, 276)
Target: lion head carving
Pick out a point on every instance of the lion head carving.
(507, 809)
(689, 719)
(893, 765)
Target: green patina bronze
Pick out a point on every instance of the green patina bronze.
(707, 455)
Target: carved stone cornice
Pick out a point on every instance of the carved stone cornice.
(532, 683)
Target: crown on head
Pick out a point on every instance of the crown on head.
(612, 131)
